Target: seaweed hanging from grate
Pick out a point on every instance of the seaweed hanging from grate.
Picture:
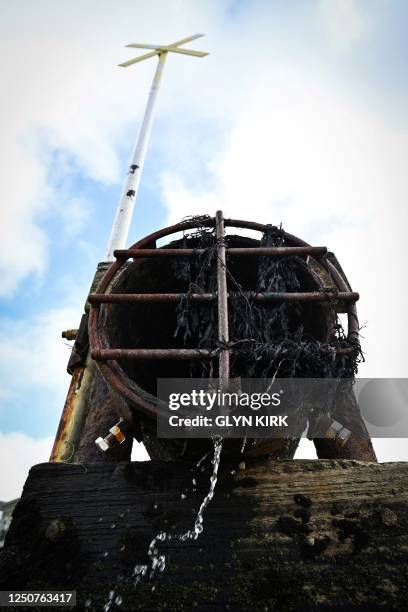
(267, 339)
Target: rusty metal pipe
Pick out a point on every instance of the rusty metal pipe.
(313, 296)
(153, 354)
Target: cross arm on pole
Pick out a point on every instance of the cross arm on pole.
(169, 48)
(138, 59)
(159, 49)
(184, 41)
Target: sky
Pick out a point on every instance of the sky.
(297, 116)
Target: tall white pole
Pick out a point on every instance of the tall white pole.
(124, 212)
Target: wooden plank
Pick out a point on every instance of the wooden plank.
(278, 535)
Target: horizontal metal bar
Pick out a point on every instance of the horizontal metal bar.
(170, 354)
(153, 354)
(314, 296)
(113, 298)
(278, 251)
(135, 253)
(254, 251)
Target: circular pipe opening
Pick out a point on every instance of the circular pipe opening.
(153, 324)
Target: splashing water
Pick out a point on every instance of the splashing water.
(113, 599)
(157, 561)
(110, 601)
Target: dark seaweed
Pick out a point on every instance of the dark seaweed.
(268, 340)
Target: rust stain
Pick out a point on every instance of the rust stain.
(66, 423)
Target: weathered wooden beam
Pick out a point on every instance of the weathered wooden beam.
(278, 535)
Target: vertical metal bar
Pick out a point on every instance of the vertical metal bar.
(223, 332)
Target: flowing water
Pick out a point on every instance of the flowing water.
(157, 560)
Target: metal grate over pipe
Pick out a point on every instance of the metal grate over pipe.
(107, 358)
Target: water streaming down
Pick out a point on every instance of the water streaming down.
(157, 561)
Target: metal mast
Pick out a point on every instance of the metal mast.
(124, 212)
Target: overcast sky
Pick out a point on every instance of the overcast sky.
(298, 116)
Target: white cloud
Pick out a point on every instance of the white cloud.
(33, 354)
(24, 244)
(18, 452)
(33, 359)
(345, 23)
(75, 214)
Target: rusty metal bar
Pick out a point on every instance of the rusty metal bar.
(112, 298)
(123, 254)
(222, 295)
(313, 296)
(278, 251)
(151, 354)
(169, 354)
(135, 253)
